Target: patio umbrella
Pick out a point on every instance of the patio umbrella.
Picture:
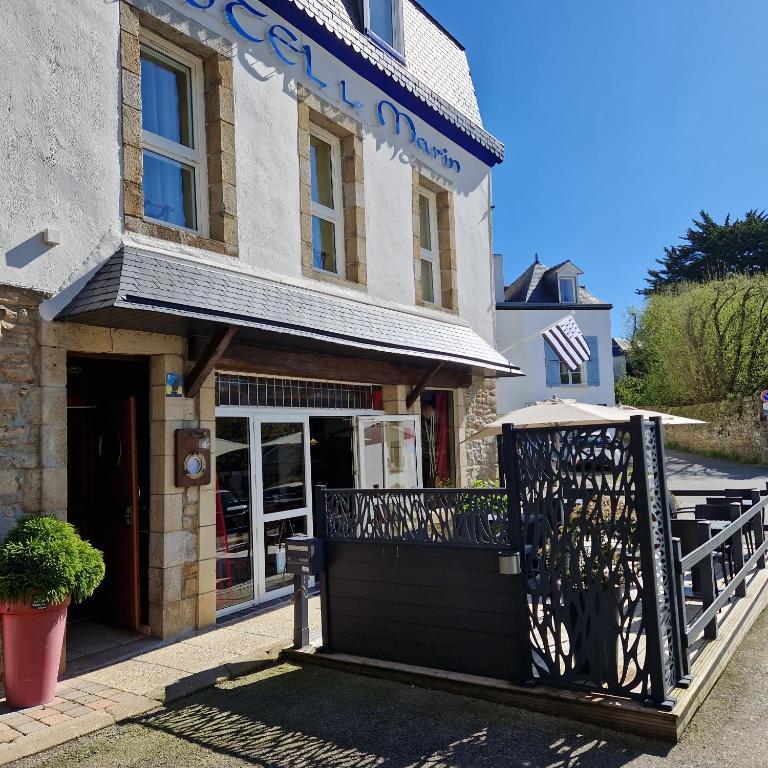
(554, 413)
(668, 419)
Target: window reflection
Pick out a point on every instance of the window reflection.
(276, 533)
(234, 536)
(282, 467)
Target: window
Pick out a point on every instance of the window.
(569, 377)
(429, 250)
(384, 23)
(568, 293)
(327, 229)
(173, 180)
(559, 375)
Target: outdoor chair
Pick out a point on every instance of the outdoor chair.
(719, 513)
(692, 534)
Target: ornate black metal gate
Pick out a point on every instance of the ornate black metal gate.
(590, 505)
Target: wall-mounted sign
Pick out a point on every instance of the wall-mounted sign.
(286, 47)
(174, 385)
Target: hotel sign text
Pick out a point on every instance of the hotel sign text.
(285, 44)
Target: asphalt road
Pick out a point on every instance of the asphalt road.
(291, 717)
(687, 471)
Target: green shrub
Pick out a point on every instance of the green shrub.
(46, 558)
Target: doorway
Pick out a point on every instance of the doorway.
(108, 486)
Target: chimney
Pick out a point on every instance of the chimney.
(498, 277)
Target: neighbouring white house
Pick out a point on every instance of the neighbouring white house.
(538, 298)
(620, 350)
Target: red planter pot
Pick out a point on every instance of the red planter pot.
(32, 643)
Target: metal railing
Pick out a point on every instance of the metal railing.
(476, 516)
(701, 562)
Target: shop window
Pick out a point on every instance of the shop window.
(234, 531)
(437, 439)
(282, 466)
(384, 24)
(269, 392)
(327, 212)
(173, 178)
(430, 258)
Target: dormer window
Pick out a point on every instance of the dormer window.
(384, 24)
(568, 293)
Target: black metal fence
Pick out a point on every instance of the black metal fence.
(598, 602)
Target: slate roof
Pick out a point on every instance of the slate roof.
(170, 286)
(537, 286)
(436, 69)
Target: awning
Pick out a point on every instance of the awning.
(166, 294)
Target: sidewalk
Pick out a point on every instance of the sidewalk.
(133, 686)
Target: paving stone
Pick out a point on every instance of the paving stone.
(101, 704)
(64, 706)
(78, 711)
(16, 718)
(27, 728)
(55, 718)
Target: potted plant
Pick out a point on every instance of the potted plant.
(44, 565)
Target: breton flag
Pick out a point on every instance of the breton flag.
(566, 339)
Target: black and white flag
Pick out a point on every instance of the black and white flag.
(569, 344)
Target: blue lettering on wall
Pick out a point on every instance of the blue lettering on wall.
(282, 41)
(275, 38)
(229, 12)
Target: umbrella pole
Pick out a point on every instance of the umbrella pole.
(500, 455)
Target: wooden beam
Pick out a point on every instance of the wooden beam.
(269, 360)
(421, 384)
(208, 359)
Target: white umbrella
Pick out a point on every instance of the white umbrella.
(554, 413)
(668, 419)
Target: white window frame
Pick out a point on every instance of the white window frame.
(397, 46)
(334, 215)
(192, 156)
(432, 256)
(571, 382)
(572, 280)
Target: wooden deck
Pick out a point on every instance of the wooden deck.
(608, 711)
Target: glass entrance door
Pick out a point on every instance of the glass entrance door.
(262, 497)
(389, 452)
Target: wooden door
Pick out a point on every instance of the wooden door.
(115, 510)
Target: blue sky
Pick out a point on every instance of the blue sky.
(621, 119)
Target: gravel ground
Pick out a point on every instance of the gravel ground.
(291, 717)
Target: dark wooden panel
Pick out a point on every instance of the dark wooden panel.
(488, 656)
(284, 361)
(420, 594)
(465, 558)
(445, 607)
(394, 573)
(425, 615)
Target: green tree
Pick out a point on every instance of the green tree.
(699, 343)
(711, 251)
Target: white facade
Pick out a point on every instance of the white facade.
(60, 161)
(518, 338)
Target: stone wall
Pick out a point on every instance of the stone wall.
(480, 456)
(20, 406)
(734, 429)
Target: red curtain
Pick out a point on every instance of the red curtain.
(442, 436)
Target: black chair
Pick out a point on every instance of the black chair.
(692, 534)
(723, 555)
